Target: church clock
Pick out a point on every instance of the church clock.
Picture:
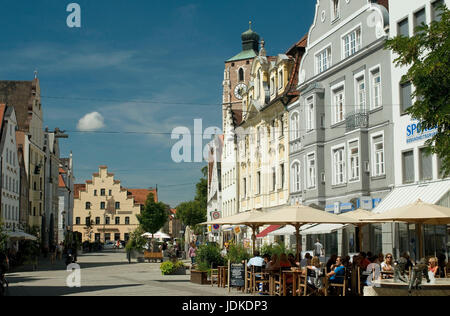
(240, 90)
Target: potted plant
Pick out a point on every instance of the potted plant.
(208, 256)
(173, 268)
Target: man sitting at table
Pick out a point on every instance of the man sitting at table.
(337, 275)
(256, 261)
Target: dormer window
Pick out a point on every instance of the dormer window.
(272, 86)
(280, 79)
(335, 12)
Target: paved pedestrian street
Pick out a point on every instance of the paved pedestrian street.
(107, 274)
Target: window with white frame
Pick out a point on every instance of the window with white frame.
(295, 125)
(296, 185)
(323, 60)
(353, 153)
(352, 43)
(339, 166)
(310, 114)
(361, 94)
(338, 102)
(378, 155)
(376, 88)
(311, 171)
(335, 10)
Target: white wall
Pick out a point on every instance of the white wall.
(398, 11)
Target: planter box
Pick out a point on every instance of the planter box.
(181, 271)
(199, 277)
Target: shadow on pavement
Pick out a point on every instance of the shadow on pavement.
(60, 290)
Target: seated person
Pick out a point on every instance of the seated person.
(274, 263)
(433, 266)
(256, 261)
(364, 261)
(337, 275)
(306, 261)
(387, 266)
(331, 262)
(315, 282)
(266, 258)
(284, 261)
(291, 259)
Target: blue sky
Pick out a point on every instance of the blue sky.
(168, 53)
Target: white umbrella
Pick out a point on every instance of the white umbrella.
(20, 236)
(158, 235)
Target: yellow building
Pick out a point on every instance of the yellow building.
(264, 140)
(104, 210)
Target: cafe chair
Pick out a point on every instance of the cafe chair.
(249, 280)
(260, 281)
(214, 276)
(277, 283)
(339, 287)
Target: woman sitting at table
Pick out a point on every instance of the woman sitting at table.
(291, 259)
(387, 267)
(315, 282)
(274, 263)
(284, 261)
(432, 265)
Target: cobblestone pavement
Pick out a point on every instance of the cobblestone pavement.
(107, 274)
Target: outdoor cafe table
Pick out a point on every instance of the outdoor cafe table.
(296, 276)
(222, 278)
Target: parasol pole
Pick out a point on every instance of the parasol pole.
(297, 237)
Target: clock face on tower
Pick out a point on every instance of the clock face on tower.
(240, 90)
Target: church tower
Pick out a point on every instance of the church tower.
(236, 77)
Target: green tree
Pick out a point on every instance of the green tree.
(154, 216)
(193, 212)
(428, 58)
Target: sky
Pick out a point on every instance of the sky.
(133, 72)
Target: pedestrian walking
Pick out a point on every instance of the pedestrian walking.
(192, 253)
(318, 249)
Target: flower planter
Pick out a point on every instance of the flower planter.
(199, 277)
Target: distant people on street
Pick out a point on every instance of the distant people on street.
(52, 249)
(192, 252)
(59, 250)
(318, 249)
(256, 261)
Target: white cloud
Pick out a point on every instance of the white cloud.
(91, 122)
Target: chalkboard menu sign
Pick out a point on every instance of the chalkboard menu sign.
(237, 275)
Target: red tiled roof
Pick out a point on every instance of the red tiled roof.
(2, 113)
(267, 231)
(77, 188)
(140, 195)
(62, 184)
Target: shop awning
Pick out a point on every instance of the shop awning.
(322, 229)
(268, 230)
(19, 235)
(431, 193)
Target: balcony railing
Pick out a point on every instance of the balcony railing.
(355, 120)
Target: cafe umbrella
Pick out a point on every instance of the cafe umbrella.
(298, 216)
(359, 215)
(419, 213)
(240, 219)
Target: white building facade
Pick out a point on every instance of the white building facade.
(417, 175)
(10, 185)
